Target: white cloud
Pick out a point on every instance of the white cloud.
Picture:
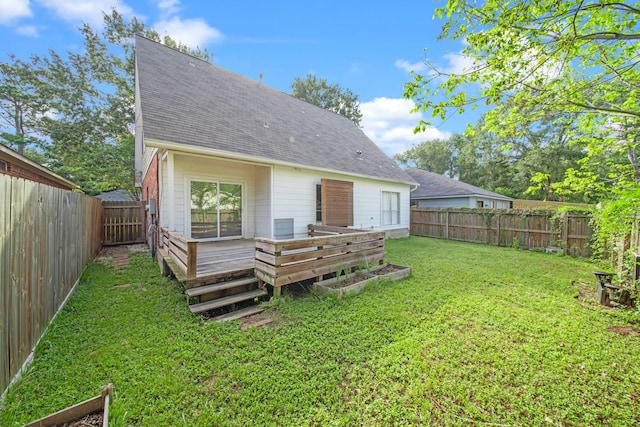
(389, 123)
(408, 67)
(85, 11)
(458, 63)
(27, 30)
(192, 32)
(13, 9)
(169, 7)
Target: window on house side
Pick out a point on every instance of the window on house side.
(390, 208)
(319, 203)
(3, 166)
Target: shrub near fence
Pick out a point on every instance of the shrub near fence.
(47, 236)
(569, 232)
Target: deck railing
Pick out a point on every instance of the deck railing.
(282, 262)
(182, 250)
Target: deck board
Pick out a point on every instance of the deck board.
(217, 257)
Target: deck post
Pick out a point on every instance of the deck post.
(277, 291)
(192, 259)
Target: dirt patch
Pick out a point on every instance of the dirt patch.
(267, 318)
(586, 293)
(118, 256)
(625, 330)
(90, 420)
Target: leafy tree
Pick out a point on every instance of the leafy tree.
(575, 57)
(433, 156)
(22, 102)
(79, 106)
(331, 97)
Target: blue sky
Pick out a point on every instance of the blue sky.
(366, 46)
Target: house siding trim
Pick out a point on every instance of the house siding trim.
(209, 152)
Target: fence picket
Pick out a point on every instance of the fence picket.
(123, 223)
(47, 236)
(530, 230)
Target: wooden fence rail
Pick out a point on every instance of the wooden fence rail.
(544, 230)
(183, 251)
(123, 223)
(281, 262)
(47, 236)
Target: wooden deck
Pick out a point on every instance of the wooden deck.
(223, 256)
(275, 262)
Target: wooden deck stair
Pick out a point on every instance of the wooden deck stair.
(224, 288)
(221, 286)
(227, 296)
(226, 301)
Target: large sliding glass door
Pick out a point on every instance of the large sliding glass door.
(216, 210)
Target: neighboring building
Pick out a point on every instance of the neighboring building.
(120, 195)
(14, 164)
(222, 156)
(437, 191)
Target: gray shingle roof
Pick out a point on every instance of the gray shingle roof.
(433, 185)
(188, 101)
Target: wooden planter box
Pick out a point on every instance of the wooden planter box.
(98, 404)
(333, 285)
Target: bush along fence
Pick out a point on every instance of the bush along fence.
(567, 233)
(47, 236)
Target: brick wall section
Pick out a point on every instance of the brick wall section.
(19, 172)
(150, 191)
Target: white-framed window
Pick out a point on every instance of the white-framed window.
(390, 208)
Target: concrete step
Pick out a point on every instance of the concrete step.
(223, 302)
(206, 289)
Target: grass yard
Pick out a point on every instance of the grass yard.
(479, 336)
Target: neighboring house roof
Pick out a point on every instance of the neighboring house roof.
(436, 186)
(190, 103)
(22, 167)
(116, 196)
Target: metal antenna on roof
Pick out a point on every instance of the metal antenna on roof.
(260, 78)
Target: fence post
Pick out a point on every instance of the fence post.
(446, 230)
(192, 259)
(565, 234)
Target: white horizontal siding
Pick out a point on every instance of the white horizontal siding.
(197, 168)
(295, 197)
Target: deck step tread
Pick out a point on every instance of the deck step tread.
(238, 314)
(220, 286)
(221, 302)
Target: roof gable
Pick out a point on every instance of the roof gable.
(433, 185)
(190, 102)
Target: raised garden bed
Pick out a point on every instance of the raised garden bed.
(93, 412)
(357, 281)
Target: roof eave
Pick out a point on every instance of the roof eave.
(155, 143)
(30, 164)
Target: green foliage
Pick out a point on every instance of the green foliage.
(613, 221)
(529, 164)
(402, 353)
(331, 97)
(547, 60)
(75, 110)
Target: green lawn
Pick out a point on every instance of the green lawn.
(478, 336)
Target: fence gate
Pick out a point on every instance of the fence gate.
(123, 223)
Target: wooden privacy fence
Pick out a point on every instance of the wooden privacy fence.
(570, 232)
(281, 262)
(123, 223)
(47, 236)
